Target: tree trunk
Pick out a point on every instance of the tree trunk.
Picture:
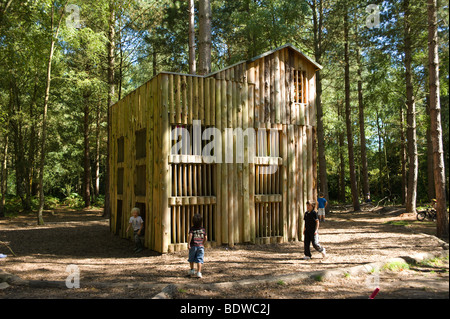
(341, 157)
(86, 153)
(40, 219)
(317, 28)
(3, 176)
(192, 65)
(435, 118)
(97, 151)
(410, 118)
(404, 158)
(111, 62)
(362, 133)
(351, 157)
(154, 64)
(380, 154)
(430, 165)
(204, 42)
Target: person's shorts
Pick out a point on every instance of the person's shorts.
(196, 254)
(321, 212)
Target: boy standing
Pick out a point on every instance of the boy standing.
(196, 242)
(137, 223)
(311, 231)
(322, 206)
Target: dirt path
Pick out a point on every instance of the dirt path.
(108, 267)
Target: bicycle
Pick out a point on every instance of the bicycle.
(429, 213)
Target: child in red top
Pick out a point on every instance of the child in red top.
(196, 241)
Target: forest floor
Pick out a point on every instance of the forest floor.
(108, 267)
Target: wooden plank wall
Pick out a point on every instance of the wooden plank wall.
(133, 113)
(274, 94)
(239, 203)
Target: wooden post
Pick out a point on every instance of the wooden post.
(149, 234)
(277, 92)
(177, 89)
(224, 185)
(165, 172)
(230, 166)
(218, 166)
(172, 117)
(284, 180)
(246, 169)
(156, 163)
(207, 103)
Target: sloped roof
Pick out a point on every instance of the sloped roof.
(287, 45)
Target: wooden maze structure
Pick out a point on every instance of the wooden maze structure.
(251, 190)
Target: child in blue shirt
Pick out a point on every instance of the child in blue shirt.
(322, 204)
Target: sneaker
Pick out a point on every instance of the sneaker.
(191, 272)
(324, 252)
(199, 275)
(306, 258)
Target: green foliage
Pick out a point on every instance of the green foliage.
(74, 200)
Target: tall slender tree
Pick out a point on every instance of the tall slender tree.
(318, 17)
(348, 120)
(435, 118)
(111, 92)
(54, 37)
(204, 43)
(192, 64)
(411, 135)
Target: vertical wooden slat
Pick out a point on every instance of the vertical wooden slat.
(272, 88)
(246, 172)
(262, 82)
(282, 86)
(218, 166)
(156, 164)
(201, 105)
(207, 103)
(165, 168)
(177, 95)
(231, 168)
(287, 84)
(172, 118)
(305, 164)
(195, 99)
(284, 178)
(250, 159)
(301, 202)
(277, 90)
(190, 100)
(266, 89)
(224, 177)
(212, 95)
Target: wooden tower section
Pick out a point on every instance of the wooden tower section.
(255, 193)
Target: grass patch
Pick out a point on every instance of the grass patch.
(398, 222)
(434, 262)
(318, 278)
(396, 266)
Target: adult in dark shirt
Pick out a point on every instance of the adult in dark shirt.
(311, 231)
